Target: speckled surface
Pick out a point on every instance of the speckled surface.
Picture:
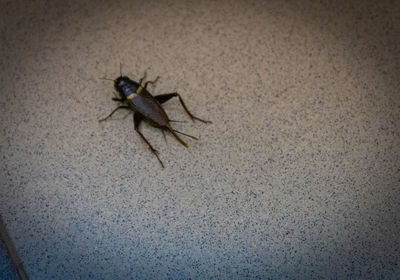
(298, 177)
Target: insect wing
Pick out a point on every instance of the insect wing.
(147, 105)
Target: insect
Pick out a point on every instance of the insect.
(135, 97)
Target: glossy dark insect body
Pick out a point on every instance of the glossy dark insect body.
(135, 97)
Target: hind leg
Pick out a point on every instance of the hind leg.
(137, 118)
(165, 97)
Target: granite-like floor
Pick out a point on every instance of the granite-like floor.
(298, 177)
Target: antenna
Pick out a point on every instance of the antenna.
(120, 69)
(108, 79)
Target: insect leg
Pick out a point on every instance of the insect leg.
(165, 97)
(115, 110)
(151, 82)
(144, 77)
(137, 118)
(176, 121)
(162, 98)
